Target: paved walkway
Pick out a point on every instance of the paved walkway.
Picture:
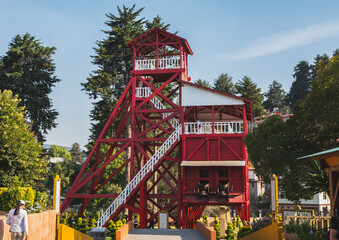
(164, 234)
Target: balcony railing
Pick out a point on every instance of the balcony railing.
(163, 63)
(219, 127)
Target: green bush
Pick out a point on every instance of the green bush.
(205, 220)
(217, 227)
(229, 231)
(244, 230)
(10, 196)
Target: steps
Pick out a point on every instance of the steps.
(149, 166)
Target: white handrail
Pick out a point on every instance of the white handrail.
(143, 92)
(219, 127)
(163, 63)
(149, 166)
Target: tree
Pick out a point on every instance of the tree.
(114, 61)
(224, 84)
(28, 70)
(314, 127)
(156, 23)
(274, 96)
(66, 169)
(20, 153)
(248, 89)
(76, 153)
(203, 83)
(302, 84)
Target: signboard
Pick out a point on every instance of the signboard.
(163, 220)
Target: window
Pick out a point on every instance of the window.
(324, 196)
(204, 173)
(223, 173)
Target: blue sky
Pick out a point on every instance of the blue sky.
(261, 39)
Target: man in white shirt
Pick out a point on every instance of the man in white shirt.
(17, 219)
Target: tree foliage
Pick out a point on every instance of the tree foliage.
(66, 169)
(20, 153)
(203, 83)
(114, 62)
(314, 127)
(76, 153)
(248, 89)
(224, 84)
(275, 96)
(28, 70)
(301, 86)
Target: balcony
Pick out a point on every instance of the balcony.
(219, 127)
(163, 63)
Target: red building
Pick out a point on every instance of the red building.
(183, 143)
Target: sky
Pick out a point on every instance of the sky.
(264, 40)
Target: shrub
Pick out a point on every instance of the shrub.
(229, 231)
(217, 227)
(244, 230)
(10, 196)
(205, 220)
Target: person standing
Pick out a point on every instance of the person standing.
(17, 219)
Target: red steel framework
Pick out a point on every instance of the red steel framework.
(160, 72)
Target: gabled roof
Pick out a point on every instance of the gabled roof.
(165, 37)
(321, 155)
(248, 103)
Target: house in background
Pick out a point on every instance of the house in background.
(320, 203)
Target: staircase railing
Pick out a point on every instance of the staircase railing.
(149, 166)
(144, 92)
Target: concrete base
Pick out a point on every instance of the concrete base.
(164, 234)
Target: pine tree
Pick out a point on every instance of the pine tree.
(156, 23)
(76, 153)
(274, 96)
(28, 70)
(20, 153)
(114, 61)
(302, 84)
(203, 83)
(246, 88)
(224, 84)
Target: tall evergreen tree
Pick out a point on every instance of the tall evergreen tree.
(28, 70)
(224, 84)
(203, 83)
(248, 89)
(156, 23)
(302, 84)
(274, 96)
(76, 153)
(114, 61)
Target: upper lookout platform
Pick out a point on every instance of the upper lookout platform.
(158, 51)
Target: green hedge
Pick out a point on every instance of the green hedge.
(10, 196)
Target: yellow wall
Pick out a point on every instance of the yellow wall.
(271, 232)
(67, 233)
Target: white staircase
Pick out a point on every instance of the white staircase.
(143, 92)
(149, 166)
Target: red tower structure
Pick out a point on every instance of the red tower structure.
(183, 143)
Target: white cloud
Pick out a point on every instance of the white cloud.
(285, 40)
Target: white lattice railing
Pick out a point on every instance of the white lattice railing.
(143, 92)
(219, 127)
(149, 166)
(163, 63)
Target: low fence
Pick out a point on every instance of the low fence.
(124, 230)
(319, 222)
(68, 233)
(41, 226)
(271, 232)
(208, 232)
